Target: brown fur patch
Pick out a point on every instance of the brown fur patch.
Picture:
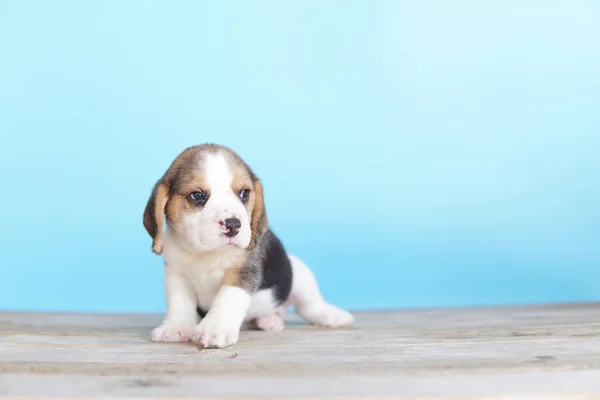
(232, 276)
(154, 215)
(258, 219)
(241, 275)
(241, 180)
(178, 205)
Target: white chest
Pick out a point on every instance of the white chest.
(205, 273)
(206, 283)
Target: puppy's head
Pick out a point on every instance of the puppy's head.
(210, 198)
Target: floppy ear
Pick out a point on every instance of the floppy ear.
(258, 221)
(154, 214)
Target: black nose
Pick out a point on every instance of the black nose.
(233, 226)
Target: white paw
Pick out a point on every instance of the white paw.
(273, 322)
(329, 315)
(215, 331)
(171, 332)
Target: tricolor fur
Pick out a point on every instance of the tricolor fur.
(222, 261)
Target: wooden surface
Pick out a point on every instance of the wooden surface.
(543, 352)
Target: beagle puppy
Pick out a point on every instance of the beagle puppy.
(222, 262)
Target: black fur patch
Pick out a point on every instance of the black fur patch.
(201, 312)
(276, 268)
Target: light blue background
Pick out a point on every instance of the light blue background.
(414, 153)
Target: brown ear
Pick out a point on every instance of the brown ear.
(258, 221)
(154, 215)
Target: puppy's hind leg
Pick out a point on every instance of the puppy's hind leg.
(308, 301)
(272, 322)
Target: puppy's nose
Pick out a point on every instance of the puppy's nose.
(232, 226)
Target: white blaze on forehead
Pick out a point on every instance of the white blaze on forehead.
(218, 173)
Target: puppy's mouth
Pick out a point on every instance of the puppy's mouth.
(228, 241)
(225, 241)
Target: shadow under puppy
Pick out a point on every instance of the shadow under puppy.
(221, 259)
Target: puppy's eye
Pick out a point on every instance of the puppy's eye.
(243, 194)
(197, 197)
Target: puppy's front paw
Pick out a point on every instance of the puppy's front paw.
(172, 332)
(216, 331)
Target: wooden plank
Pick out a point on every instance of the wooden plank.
(478, 386)
(308, 360)
(496, 352)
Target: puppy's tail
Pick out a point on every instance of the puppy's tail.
(308, 301)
